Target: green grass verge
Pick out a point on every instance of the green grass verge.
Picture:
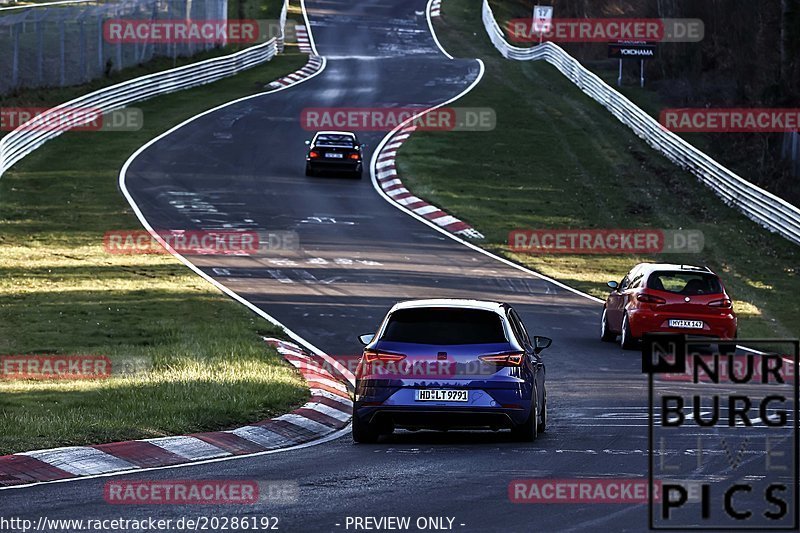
(201, 364)
(557, 159)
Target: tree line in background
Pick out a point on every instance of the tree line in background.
(749, 57)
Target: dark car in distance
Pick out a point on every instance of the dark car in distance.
(334, 151)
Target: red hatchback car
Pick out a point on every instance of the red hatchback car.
(664, 298)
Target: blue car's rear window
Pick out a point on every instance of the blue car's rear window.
(444, 326)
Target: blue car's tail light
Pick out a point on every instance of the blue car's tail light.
(504, 359)
(372, 356)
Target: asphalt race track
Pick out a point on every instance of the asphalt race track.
(242, 167)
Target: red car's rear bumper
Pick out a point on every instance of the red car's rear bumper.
(722, 325)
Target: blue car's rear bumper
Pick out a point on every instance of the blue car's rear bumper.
(502, 405)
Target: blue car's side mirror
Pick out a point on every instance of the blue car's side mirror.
(541, 343)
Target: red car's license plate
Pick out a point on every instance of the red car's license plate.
(686, 324)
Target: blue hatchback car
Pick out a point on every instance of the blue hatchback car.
(450, 364)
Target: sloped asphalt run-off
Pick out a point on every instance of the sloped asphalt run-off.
(327, 411)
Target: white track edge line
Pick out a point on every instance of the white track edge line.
(433, 32)
(308, 28)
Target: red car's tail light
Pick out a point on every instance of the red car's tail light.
(650, 299)
(504, 359)
(354, 156)
(371, 356)
(313, 155)
(724, 303)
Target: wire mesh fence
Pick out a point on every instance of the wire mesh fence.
(64, 44)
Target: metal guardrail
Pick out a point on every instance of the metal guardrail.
(282, 22)
(3, 7)
(29, 136)
(764, 208)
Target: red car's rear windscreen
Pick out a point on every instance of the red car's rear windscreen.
(686, 283)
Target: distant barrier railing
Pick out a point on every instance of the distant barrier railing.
(766, 209)
(27, 137)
